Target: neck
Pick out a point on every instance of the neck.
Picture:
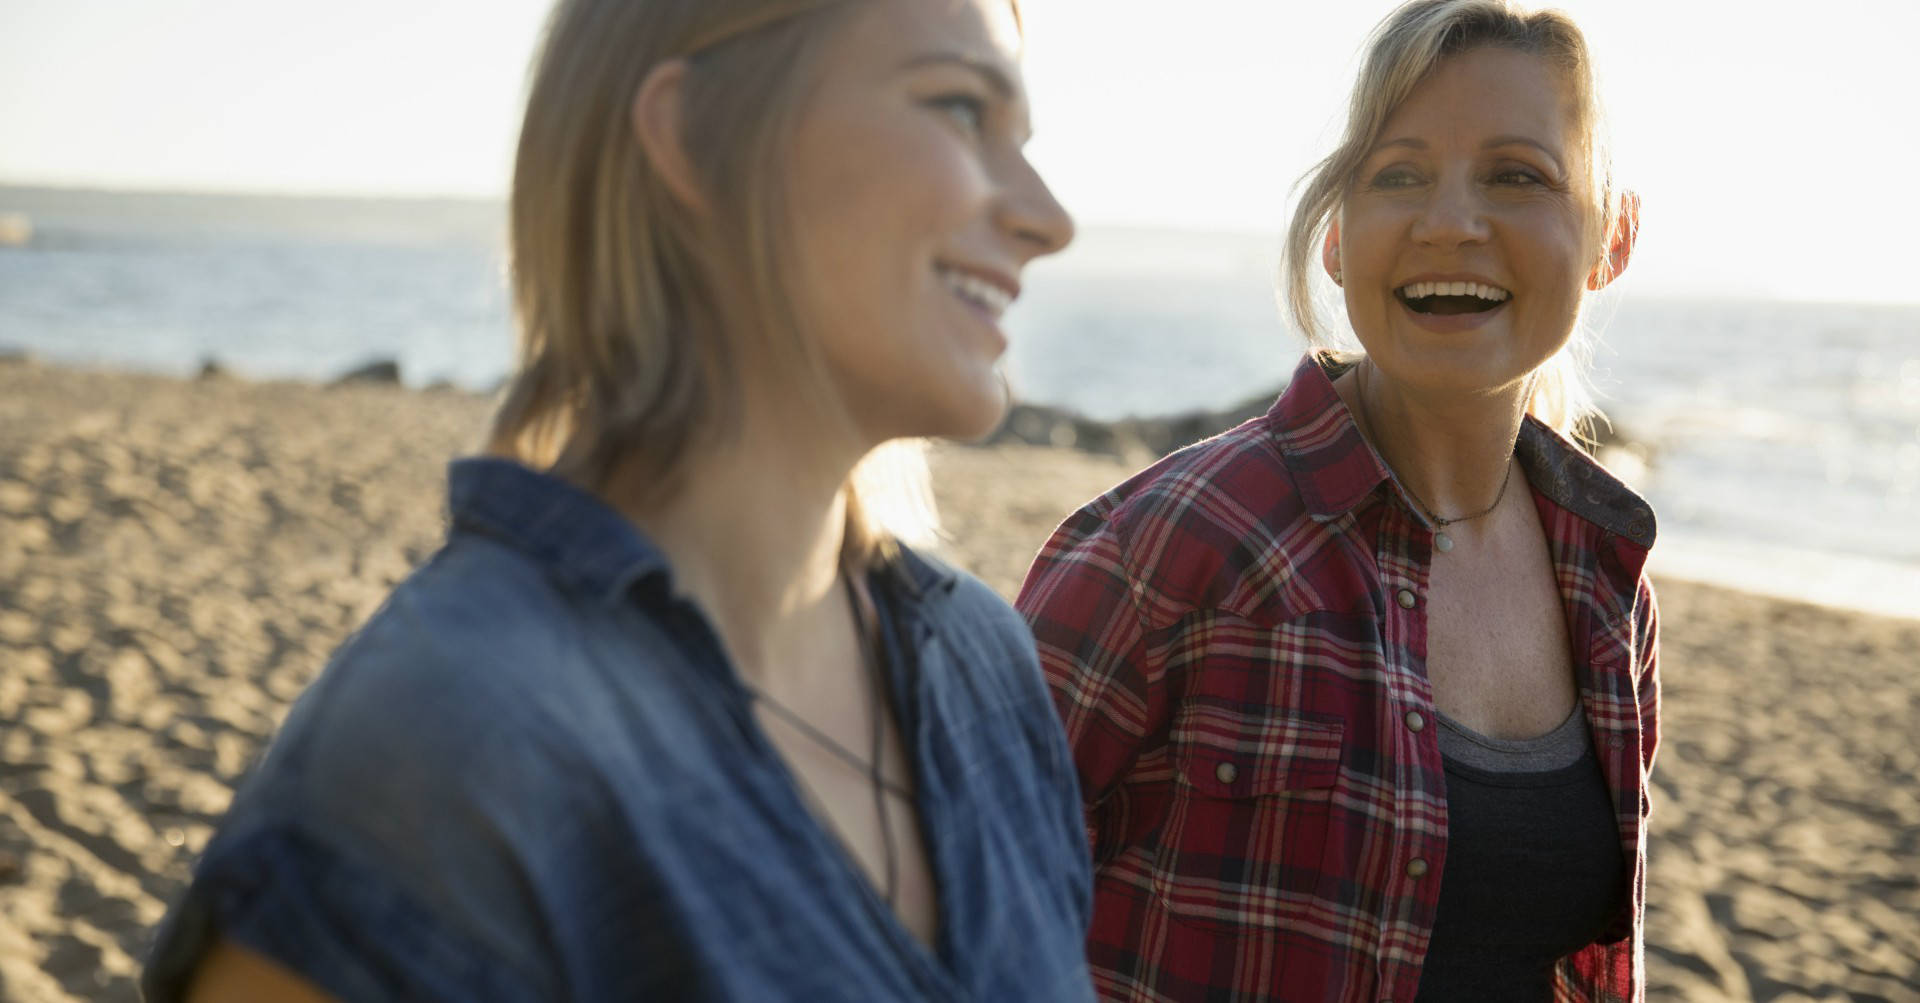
(1453, 452)
(755, 539)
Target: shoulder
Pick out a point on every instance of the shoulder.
(965, 610)
(951, 592)
(389, 830)
(978, 650)
(982, 667)
(428, 699)
(1198, 529)
(440, 773)
(475, 694)
(1242, 469)
(455, 644)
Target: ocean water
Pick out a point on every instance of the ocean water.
(1783, 440)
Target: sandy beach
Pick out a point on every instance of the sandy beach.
(178, 557)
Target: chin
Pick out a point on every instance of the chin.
(969, 415)
(977, 424)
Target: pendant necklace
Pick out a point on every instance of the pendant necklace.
(1442, 541)
(877, 712)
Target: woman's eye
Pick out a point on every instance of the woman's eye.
(1515, 176)
(967, 111)
(1395, 177)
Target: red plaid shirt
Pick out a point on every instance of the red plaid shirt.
(1236, 641)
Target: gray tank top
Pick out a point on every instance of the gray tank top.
(1534, 869)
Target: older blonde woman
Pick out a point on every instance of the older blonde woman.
(670, 717)
(1362, 694)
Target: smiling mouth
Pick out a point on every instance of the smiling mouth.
(986, 296)
(1451, 298)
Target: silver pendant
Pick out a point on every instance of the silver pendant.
(1442, 542)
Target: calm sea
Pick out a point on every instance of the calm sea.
(1784, 438)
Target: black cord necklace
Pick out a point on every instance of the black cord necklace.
(1443, 542)
(877, 712)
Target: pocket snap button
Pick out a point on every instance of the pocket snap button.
(1226, 773)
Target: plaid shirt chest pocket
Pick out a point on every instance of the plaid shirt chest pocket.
(1250, 813)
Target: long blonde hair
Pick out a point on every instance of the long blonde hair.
(628, 355)
(1402, 51)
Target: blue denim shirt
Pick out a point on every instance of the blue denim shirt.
(533, 775)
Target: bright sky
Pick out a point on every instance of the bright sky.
(1767, 141)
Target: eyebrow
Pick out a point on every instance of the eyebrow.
(1411, 143)
(995, 77)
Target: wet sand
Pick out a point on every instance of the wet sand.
(177, 558)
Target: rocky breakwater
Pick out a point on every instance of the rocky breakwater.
(1137, 441)
(1140, 441)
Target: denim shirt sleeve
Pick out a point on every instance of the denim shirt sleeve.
(390, 843)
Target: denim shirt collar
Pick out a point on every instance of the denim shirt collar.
(589, 547)
(575, 537)
(920, 577)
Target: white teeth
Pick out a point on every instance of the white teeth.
(1418, 290)
(977, 291)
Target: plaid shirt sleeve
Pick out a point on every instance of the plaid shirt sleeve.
(1080, 602)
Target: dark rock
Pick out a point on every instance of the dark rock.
(1138, 440)
(211, 369)
(1131, 439)
(1040, 425)
(377, 371)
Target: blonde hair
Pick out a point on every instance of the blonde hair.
(628, 355)
(1400, 54)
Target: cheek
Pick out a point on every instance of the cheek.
(1568, 248)
(944, 195)
(1368, 245)
(843, 176)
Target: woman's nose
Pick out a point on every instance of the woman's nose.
(1031, 214)
(1454, 215)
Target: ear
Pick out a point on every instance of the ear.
(1626, 230)
(657, 116)
(1330, 252)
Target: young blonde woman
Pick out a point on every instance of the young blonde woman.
(671, 716)
(1362, 694)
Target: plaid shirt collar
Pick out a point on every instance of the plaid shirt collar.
(1335, 470)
